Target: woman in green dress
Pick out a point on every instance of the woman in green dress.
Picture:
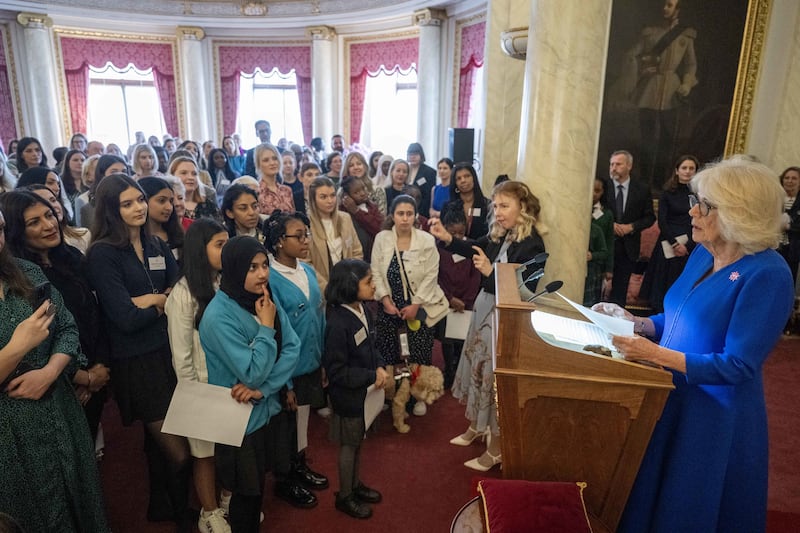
(49, 479)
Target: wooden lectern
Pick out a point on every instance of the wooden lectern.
(567, 415)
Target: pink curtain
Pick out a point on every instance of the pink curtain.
(473, 41)
(78, 91)
(165, 87)
(80, 54)
(8, 126)
(237, 60)
(370, 59)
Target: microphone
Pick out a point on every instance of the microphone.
(533, 277)
(553, 286)
(539, 259)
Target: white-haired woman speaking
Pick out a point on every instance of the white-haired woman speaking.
(706, 466)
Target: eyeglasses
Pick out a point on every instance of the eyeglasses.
(703, 205)
(300, 236)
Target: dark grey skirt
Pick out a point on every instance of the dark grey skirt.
(347, 430)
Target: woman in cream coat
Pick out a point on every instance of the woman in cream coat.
(333, 236)
(405, 268)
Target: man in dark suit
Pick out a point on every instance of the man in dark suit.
(421, 175)
(264, 132)
(632, 205)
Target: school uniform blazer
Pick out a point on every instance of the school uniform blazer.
(318, 250)
(240, 350)
(117, 275)
(638, 211)
(350, 366)
(421, 263)
(518, 252)
(425, 180)
(306, 315)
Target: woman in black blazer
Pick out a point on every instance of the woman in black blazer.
(513, 238)
(466, 195)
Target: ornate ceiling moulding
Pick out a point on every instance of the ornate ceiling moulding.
(254, 9)
(514, 43)
(34, 20)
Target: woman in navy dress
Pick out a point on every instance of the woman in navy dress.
(706, 466)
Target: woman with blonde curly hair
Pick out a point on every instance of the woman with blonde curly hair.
(514, 237)
(705, 468)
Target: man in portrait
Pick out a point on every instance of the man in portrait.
(659, 73)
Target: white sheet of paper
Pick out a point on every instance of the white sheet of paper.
(610, 324)
(373, 404)
(669, 252)
(206, 412)
(457, 324)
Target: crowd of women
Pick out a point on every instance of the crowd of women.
(297, 287)
(153, 269)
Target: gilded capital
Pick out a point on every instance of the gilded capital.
(190, 33)
(321, 33)
(429, 17)
(34, 20)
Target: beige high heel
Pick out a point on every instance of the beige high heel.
(475, 464)
(461, 441)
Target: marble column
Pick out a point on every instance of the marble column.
(429, 80)
(503, 81)
(195, 77)
(39, 74)
(323, 66)
(561, 104)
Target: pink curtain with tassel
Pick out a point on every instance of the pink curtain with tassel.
(237, 60)
(79, 54)
(370, 59)
(473, 41)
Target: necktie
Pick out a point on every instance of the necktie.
(620, 202)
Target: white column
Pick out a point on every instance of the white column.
(429, 79)
(195, 77)
(323, 66)
(39, 77)
(561, 104)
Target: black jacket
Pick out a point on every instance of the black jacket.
(638, 211)
(425, 180)
(518, 252)
(350, 368)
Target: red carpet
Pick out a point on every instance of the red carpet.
(421, 475)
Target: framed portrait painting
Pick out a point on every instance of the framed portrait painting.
(680, 76)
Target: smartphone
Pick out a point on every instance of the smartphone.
(42, 293)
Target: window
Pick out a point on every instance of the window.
(272, 97)
(122, 102)
(390, 112)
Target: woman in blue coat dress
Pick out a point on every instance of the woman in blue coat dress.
(706, 466)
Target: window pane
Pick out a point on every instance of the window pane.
(106, 115)
(271, 97)
(390, 113)
(144, 111)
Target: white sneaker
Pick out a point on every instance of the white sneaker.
(325, 412)
(225, 505)
(213, 522)
(420, 409)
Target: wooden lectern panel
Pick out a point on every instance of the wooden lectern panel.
(567, 415)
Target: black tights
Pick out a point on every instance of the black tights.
(244, 513)
(348, 469)
(169, 465)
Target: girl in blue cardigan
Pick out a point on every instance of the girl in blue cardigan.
(251, 348)
(296, 290)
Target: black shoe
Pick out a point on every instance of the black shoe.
(350, 505)
(295, 494)
(366, 494)
(309, 479)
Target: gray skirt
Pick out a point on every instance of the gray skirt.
(347, 430)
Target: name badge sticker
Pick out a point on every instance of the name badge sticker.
(360, 336)
(157, 263)
(458, 258)
(422, 181)
(476, 211)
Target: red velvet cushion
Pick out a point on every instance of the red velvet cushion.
(511, 506)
